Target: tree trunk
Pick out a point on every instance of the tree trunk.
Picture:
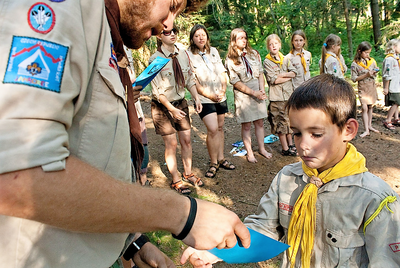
(348, 26)
(376, 22)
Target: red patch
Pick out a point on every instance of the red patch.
(395, 247)
(285, 207)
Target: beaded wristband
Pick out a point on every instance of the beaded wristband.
(189, 223)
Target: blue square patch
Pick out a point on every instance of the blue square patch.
(37, 63)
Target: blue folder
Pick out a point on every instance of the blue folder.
(150, 72)
(262, 248)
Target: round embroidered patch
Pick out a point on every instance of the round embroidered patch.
(41, 18)
(57, 1)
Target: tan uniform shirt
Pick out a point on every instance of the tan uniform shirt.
(342, 207)
(209, 76)
(332, 65)
(301, 76)
(278, 92)
(366, 87)
(391, 72)
(59, 78)
(164, 82)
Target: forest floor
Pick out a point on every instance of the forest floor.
(240, 190)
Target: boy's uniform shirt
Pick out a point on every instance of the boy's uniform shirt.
(59, 76)
(343, 205)
(278, 92)
(333, 66)
(391, 72)
(164, 83)
(208, 73)
(301, 75)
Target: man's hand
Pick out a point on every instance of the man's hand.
(177, 113)
(198, 106)
(136, 93)
(150, 256)
(199, 258)
(216, 226)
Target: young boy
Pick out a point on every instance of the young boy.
(331, 210)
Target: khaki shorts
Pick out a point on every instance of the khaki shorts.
(278, 118)
(163, 121)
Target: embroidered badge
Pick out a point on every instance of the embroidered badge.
(113, 62)
(395, 247)
(35, 62)
(58, 1)
(41, 18)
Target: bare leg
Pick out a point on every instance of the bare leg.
(213, 136)
(392, 111)
(365, 119)
(283, 140)
(370, 108)
(246, 136)
(221, 121)
(186, 150)
(259, 130)
(170, 155)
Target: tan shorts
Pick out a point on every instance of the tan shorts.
(278, 118)
(163, 121)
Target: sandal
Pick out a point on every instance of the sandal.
(197, 182)
(293, 149)
(396, 122)
(388, 125)
(180, 188)
(225, 164)
(212, 169)
(288, 152)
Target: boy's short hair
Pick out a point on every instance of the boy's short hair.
(328, 93)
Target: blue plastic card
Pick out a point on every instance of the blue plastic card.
(150, 72)
(262, 248)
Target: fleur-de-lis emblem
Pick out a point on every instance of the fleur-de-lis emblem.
(41, 17)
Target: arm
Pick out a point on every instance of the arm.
(84, 199)
(201, 91)
(284, 77)
(175, 112)
(195, 97)
(245, 89)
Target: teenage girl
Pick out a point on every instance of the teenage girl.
(245, 74)
(279, 73)
(391, 83)
(300, 58)
(332, 62)
(363, 70)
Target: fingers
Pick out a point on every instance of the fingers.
(186, 254)
(243, 233)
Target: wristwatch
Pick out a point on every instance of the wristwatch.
(135, 247)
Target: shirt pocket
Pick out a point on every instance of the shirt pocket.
(105, 135)
(343, 250)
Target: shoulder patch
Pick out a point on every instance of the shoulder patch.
(37, 63)
(41, 18)
(113, 62)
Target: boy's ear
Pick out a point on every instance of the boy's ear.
(350, 130)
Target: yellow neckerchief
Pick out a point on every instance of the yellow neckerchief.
(369, 63)
(303, 60)
(302, 222)
(338, 59)
(273, 60)
(394, 56)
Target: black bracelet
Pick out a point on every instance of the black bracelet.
(135, 247)
(190, 220)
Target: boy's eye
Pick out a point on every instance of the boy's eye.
(317, 135)
(297, 134)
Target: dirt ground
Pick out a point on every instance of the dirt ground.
(240, 190)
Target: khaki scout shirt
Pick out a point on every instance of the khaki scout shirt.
(164, 82)
(208, 76)
(332, 65)
(296, 62)
(391, 72)
(238, 73)
(343, 205)
(278, 92)
(60, 95)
